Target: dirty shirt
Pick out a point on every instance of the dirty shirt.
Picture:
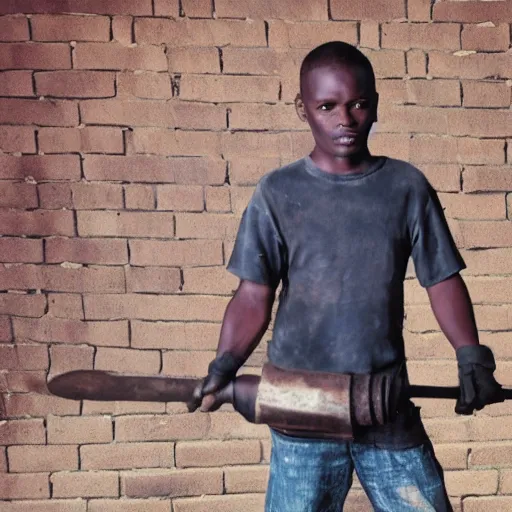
(339, 246)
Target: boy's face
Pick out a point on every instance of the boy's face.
(340, 106)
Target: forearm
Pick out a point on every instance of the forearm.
(452, 307)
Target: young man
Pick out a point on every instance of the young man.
(337, 228)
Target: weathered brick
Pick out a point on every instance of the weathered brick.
(26, 381)
(419, 10)
(490, 454)
(24, 357)
(55, 196)
(82, 250)
(254, 145)
(153, 280)
(180, 198)
(442, 93)
(115, 56)
(35, 223)
(18, 195)
(66, 358)
(14, 28)
(19, 139)
(135, 7)
(122, 28)
(45, 113)
(379, 10)
(494, 503)
(175, 335)
(183, 143)
(161, 427)
(24, 486)
(186, 363)
(484, 122)
(65, 305)
(217, 453)
(85, 484)
(386, 63)
(416, 63)
(487, 234)
(469, 64)
(473, 11)
(314, 10)
(205, 33)
(253, 61)
(209, 226)
(481, 206)
(248, 171)
(36, 167)
(75, 84)
(90, 139)
(218, 199)
(370, 34)
(16, 83)
(79, 430)
(264, 117)
(22, 305)
(70, 28)
(92, 196)
(195, 60)
(484, 179)
(30, 431)
(231, 425)
(127, 505)
(245, 479)
(247, 502)
(471, 482)
(196, 8)
(5, 329)
(53, 505)
(486, 38)
(84, 279)
(452, 456)
(209, 280)
(426, 36)
(35, 56)
(127, 360)
(139, 197)
(31, 404)
(486, 94)
(20, 277)
(144, 85)
(37, 459)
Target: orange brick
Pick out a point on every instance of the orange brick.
(199, 171)
(480, 151)
(16, 83)
(485, 122)
(195, 60)
(240, 198)
(197, 8)
(35, 56)
(75, 84)
(24, 486)
(248, 171)
(24, 357)
(481, 206)
(246, 479)
(188, 198)
(127, 360)
(16, 222)
(416, 63)
(494, 503)
(166, 8)
(115, 56)
(176, 253)
(256, 61)
(486, 94)
(247, 502)
(122, 27)
(31, 404)
(91, 139)
(65, 305)
(209, 280)
(254, 145)
(85, 484)
(46, 113)
(265, 117)
(370, 34)
(484, 179)
(144, 85)
(419, 10)
(315, 10)
(209, 226)
(473, 11)
(153, 280)
(19, 139)
(18, 195)
(382, 11)
(76, 250)
(92, 196)
(186, 363)
(45, 506)
(168, 142)
(218, 199)
(161, 427)
(127, 455)
(136, 7)
(487, 234)
(55, 167)
(452, 456)
(468, 65)
(471, 482)
(88, 279)
(434, 92)
(231, 425)
(444, 178)
(188, 482)
(66, 358)
(37, 459)
(70, 28)
(217, 453)
(387, 63)
(205, 33)
(79, 430)
(175, 335)
(30, 431)
(490, 454)
(26, 381)
(127, 505)
(14, 28)
(311, 34)
(426, 36)
(486, 38)
(139, 197)
(122, 408)
(392, 91)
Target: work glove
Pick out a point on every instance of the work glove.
(478, 387)
(221, 371)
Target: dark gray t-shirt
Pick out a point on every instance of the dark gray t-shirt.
(339, 244)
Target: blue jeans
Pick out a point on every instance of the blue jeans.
(315, 475)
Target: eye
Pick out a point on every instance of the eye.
(326, 106)
(359, 105)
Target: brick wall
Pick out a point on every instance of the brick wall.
(132, 133)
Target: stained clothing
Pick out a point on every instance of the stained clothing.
(339, 244)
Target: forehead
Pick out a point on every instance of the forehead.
(334, 79)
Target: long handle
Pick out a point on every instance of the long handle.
(442, 392)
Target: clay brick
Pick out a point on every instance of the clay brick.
(24, 486)
(494, 503)
(209, 280)
(47, 329)
(177, 142)
(3, 461)
(14, 28)
(444, 178)
(217, 453)
(22, 305)
(66, 358)
(46, 113)
(186, 363)
(473, 11)
(127, 455)
(416, 63)
(442, 93)
(30, 431)
(65, 305)
(36, 167)
(45, 506)
(176, 253)
(452, 456)
(136, 7)
(125, 224)
(26, 381)
(386, 63)
(79, 430)
(34, 459)
(31, 404)
(75, 84)
(248, 171)
(265, 117)
(166, 8)
(209, 226)
(80, 250)
(18, 195)
(88, 280)
(486, 38)
(144, 85)
(161, 427)
(486, 94)
(21, 277)
(481, 206)
(199, 171)
(115, 56)
(421, 372)
(92, 196)
(15, 222)
(17, 139)
(246, 502)
(122, 408)
(24, 357)
(254, 145)
(487, 179)
(311, 34)
(85, 484)
(153, 280)
(122, 29)
(91, 139)
(315, 10)
(70, 28)
(256, 61)
(484, 122)
(426, 36)
(203, 33)
(370, 34)
(197, 8)
(495, 454)
(480, 151)
(218, 199)
(5, 329)
(231, 425)
(180, 198)
(55, 196)
(379, 10)
(220, 88)
(487, 234)
(35, 56)
(194, 60)
(188, 482)
(127, 360)
(16, 83)
(246, 479)
(419, 10)
(126, 505)
(471, 482)
(469, 64)
(175, 335)
(139, 197)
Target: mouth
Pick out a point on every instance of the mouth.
(345, 140)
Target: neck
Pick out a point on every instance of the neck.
(342, 165)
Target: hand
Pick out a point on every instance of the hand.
(221, 371)
(478, 387)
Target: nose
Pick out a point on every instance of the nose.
(345, 118)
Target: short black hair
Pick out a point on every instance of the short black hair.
(337, 52)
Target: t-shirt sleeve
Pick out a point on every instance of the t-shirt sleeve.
(258, 254)
(434, 252)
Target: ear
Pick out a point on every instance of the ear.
(376, 107)
(299, 108)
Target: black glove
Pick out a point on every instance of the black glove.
(478, 386)
(221, 371)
